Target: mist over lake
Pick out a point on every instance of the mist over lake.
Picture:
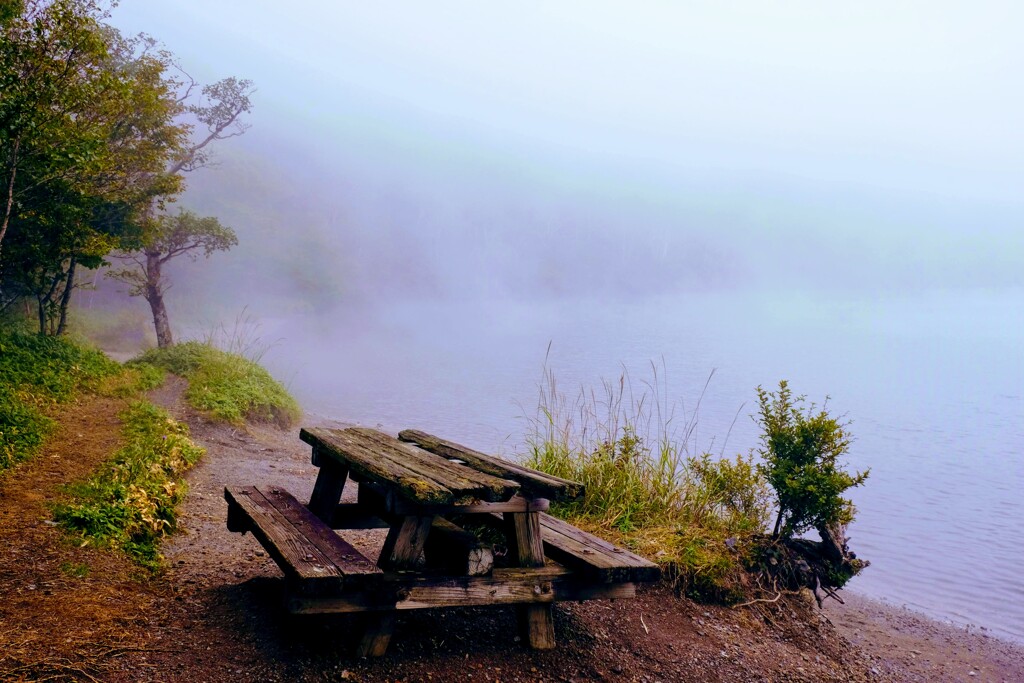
(430, 196)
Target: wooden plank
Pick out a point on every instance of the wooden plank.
(534, 484)
(297, 557)
(353, 565)
(512, 586)
(419, 476)
(455, 476)
(456, 550)
(330, 482)
(593, 555)
(536, 622)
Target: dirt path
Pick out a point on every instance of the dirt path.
(67, 612)
(216, 615)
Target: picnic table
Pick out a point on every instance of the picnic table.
(424, 490)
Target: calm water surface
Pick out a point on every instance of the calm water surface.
(933, 383)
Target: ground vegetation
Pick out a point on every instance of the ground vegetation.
(228, 386)
(704, 518)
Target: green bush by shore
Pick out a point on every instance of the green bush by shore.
(704, 519)
(693, 514)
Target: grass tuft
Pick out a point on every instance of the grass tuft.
(226, 385)
(645, 489)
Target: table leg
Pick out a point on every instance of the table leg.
(330, 482)
(536, 622)
(402, 549)
(405, 541)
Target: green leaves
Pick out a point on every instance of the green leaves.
(801, 450)
(87, 129)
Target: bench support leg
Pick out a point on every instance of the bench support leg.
(536, 622)
(404, 543)
(402, 548)
(377, 634)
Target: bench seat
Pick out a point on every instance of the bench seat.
(312, 556)
(587, 555)
(593, 556)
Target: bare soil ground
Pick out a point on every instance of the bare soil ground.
(215, 615)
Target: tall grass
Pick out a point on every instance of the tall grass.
(647, 486)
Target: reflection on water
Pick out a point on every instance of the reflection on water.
(933, 385)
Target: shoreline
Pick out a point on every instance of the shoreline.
(970, 628)
(914, 646)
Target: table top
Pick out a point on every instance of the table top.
(427, 470)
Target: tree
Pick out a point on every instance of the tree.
(50, 72)
(86, 130)
(801, 451)
(180, 234)
(220, 111)
(95, 136)
(9, 10)
(223, 103)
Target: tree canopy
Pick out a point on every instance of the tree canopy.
(96, 131)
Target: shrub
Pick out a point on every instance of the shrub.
(801, 451)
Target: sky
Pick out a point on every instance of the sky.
(686, 144)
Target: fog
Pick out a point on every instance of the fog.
(431, 193)
(461, 150)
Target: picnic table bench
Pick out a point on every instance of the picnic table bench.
(419, 487)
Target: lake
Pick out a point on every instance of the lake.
(932, 382)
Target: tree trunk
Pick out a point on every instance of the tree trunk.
(155, 296)
(41, 310)
(8, 209)
(65, 298)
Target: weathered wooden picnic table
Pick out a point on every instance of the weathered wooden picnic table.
(418, 487)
